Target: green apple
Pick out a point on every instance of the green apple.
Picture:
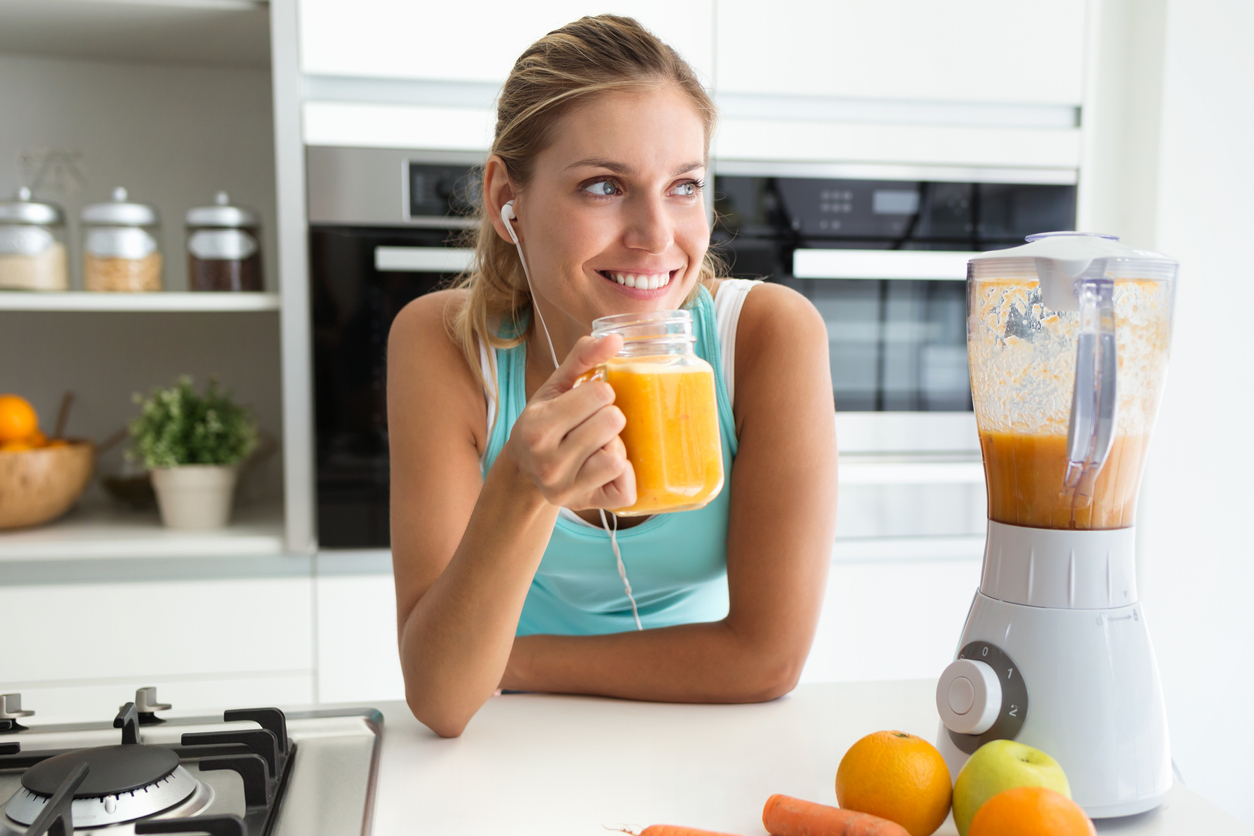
(1001, 765)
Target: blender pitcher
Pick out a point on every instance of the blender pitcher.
(1068, 338)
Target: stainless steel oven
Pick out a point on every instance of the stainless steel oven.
(385, 226)
(881, 251)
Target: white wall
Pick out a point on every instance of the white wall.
(1197, 543)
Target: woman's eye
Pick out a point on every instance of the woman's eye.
(688, 188)
(602, 188)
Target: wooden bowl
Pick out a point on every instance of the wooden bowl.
(37, 486)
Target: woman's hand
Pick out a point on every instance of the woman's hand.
(566, 440)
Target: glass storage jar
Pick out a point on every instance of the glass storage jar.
(32, 245)
(121, 245)
(223, 247)
(667, 394)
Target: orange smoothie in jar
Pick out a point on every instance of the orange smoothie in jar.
(672, 435)
(1024, 475)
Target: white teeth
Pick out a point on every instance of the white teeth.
(645, 282)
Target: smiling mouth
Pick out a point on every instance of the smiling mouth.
(643, 281)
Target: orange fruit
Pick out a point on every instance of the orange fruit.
(37, 439)
(15, 446)
(1030, 811)
(896, 776)
(17, 418)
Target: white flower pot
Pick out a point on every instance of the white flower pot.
(195, 496)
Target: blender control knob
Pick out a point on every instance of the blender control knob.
(968, 697)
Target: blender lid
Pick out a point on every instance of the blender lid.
(1058, 259)
(22, 209)
(120, 211)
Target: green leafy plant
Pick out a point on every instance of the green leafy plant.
(176, 426)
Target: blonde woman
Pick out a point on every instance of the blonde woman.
(504, 576)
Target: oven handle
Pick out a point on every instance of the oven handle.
(422, 259)
(928, 265)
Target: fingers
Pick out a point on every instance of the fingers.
(547, 424)
(587, 354)
(599, 430)
(619, 492)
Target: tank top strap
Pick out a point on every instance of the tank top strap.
(708, 348)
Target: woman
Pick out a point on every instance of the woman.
(504, 578)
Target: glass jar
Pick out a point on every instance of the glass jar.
(121, 246)
(223, 247)
(32, 245)
(668, 396)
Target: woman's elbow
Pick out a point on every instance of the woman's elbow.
(773, 677)
(446, 721)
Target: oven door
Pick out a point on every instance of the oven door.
(361, 278)
(896, 324)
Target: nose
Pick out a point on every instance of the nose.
(649, 224)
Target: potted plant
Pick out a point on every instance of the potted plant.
(192, 444)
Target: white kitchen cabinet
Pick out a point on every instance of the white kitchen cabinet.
(470, 41)
(972, 51)
(891, 619)
(357, 658)
(206, 639)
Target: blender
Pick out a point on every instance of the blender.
(1068, 338)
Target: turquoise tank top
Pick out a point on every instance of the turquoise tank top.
(676, 563)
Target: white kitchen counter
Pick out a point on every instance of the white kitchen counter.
(553, 765)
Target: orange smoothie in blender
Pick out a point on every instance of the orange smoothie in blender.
(1024, 475)
(672, 434)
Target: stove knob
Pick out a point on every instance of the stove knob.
(146, 701)
(11, 707)
(968, 697)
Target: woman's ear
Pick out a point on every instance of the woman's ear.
(497, 191)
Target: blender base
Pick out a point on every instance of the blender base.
(1094, 699)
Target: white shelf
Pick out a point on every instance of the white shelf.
(105, 532)
(21, 300)
(222, 32)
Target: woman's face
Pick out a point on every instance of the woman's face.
(613, 220)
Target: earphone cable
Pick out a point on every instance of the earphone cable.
(622, 570)
(618, 556)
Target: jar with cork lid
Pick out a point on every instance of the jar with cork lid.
(121, 245)
(32, 245)
(223, 247)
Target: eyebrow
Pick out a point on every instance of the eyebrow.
(623, 168)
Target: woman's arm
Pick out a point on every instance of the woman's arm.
(465, 548)
(783, 519)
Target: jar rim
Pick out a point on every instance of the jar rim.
(607, 324)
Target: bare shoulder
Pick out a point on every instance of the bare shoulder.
(776, 323)
(426, 364)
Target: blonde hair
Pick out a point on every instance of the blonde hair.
(552, 77)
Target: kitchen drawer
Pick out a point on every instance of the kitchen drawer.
(891, 619)
(147, 631)
(358, 658)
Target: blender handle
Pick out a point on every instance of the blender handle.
(1091, 432)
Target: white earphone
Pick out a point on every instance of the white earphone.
(507, 215)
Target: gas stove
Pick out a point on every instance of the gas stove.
(251, 772)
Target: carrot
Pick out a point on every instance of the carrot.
(787, 816)
(678, 830)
